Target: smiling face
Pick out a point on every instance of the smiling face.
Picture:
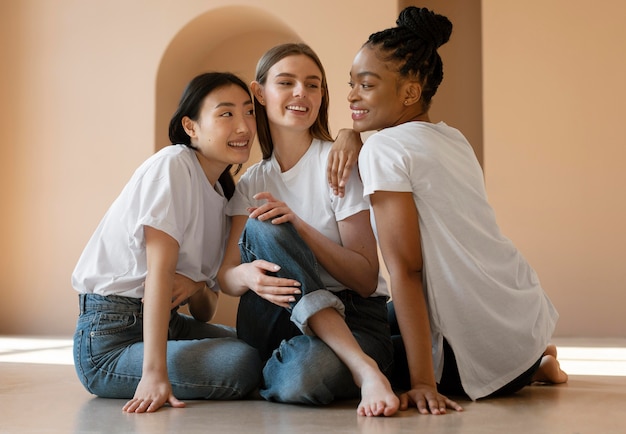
(292, 93)
(379, 97)
(224, 129)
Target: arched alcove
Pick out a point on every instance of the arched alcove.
(223, 39)
(228, 39)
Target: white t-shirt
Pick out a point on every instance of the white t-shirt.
(305, 190)
(483, 296)
(168, 192)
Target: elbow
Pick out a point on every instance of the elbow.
(368, 286)
(225, 282)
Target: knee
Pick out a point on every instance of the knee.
(258, 228)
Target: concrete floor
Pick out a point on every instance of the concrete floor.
(39, 393)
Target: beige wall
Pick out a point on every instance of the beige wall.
(83, 83)
(78, 108)
(555, 149)
(459, 98)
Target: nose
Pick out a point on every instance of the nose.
(242, 125)
(352, 94)
(299, 90)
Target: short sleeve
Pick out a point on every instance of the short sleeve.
(352, 202)
(384, 165)
(240, 202)
(161, 198)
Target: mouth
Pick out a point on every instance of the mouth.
(359, 113)
(239, 144)
(297, 108)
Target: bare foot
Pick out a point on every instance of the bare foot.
(550, 369)
(550, 351)
(377, 397)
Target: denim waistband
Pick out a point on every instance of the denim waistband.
(109, 303)
(346, 294)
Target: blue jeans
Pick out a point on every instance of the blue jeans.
(204, 361)
(300, 367)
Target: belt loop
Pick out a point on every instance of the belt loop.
(82, 303)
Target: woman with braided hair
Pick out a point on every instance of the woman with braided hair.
(473, 317)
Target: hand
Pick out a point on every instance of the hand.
(277, 290)
(427, 400)
(342, 158)
(276, 211)
(184, 288)
(153, 391)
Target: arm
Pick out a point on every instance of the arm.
(354, 264)
(202, 301)
(343, 156)
(236, 278)
(154, 388)
(401, 249)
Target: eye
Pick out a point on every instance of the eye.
(351, 84)
(250, 112)
(314, 86)
(226, 114)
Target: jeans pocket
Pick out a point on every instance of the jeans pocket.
(112, 332)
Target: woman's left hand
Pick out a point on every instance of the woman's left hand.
(273, 209)
(184, 288)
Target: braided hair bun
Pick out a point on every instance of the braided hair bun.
(426, 25)
(413, 45)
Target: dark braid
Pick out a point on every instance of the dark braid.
(414, 44)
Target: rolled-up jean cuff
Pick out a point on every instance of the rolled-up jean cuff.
(312, 303)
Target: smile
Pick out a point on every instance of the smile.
(297, 108)
(238, 144)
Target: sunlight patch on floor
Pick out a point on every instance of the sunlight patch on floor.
(36, 350)
(576, 359)
(606, 361)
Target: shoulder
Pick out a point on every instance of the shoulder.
(170, 156)
(257, 169)
(171, 162)
(320, 149)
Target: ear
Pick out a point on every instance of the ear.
(190, 126)
(412, 92)
(257, 91)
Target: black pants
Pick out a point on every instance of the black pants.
(450, 383)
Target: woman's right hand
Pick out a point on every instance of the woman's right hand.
(342, 159)
(153, 391)
(278, 290)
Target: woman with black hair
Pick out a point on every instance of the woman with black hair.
(472, 315)
(159, 246)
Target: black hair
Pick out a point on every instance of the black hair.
(190, 106)
(414, 43)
